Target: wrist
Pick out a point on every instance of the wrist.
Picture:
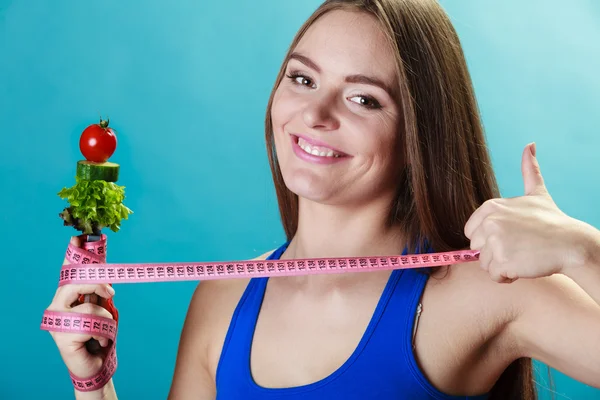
(593, 257)
(106, 392)
(586, 251)
(586, 272)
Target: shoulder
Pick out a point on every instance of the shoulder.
(477, 307)
(505, 313)
(207, 292)
(210, 311)
(461, 339)
(214, 301)
(203, 334)
(469, 286)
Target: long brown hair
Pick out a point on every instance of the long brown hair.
(450, 173)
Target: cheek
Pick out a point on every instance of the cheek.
(283, 110)
(378, 136)
(382, 152)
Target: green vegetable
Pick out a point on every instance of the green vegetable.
(91, 171)
(94, 205)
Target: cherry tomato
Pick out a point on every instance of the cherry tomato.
(98, 142)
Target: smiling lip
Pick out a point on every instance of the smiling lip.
(318, 143)
(315, 159)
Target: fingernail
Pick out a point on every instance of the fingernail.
(110, 290)
(532, 149)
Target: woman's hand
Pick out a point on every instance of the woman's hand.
(72, 346)
(528, 236)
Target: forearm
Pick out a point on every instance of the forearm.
(107, 392)
(586, 270)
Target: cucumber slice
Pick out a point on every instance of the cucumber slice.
(92, 171)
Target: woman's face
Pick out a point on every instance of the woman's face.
(334, 115)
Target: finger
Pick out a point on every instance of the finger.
(495, 273)
(92, 309)
(478, 239)
(68, 294)
(530, 169)
(494, 264)
(102, 340)
(76, 337)
(499, 274)
(75, 241)
(509, 275)
(486, 256)
(485, 210)
(487, 231)
(504, 279)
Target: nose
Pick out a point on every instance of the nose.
(319, 113)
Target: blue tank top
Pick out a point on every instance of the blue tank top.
(381, 367)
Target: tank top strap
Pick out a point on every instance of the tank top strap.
(238, 339)
(382, 366)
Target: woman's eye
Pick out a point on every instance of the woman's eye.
(301, 80)
(366, 101)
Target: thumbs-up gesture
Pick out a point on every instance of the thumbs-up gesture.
(526, 236)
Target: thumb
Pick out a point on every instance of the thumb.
(532, 175)
(75, 241)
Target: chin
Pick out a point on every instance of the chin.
(308, 185)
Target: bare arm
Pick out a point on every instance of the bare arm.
(559, 319)
(191, 378)
(586, 273)
(202, 337)
(553, 261)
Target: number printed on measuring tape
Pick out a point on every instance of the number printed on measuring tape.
(78, 272)
(88, 266)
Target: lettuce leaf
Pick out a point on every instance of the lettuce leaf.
(94, 205)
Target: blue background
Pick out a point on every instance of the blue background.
(185, 84)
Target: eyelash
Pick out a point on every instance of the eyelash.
(375, 104)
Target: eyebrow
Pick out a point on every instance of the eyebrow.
(356, 78)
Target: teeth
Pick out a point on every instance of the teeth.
(316, 150)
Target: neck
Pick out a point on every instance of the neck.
(332, 231)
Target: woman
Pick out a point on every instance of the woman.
(376, 148)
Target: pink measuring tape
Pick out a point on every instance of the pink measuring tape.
(87, 266)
